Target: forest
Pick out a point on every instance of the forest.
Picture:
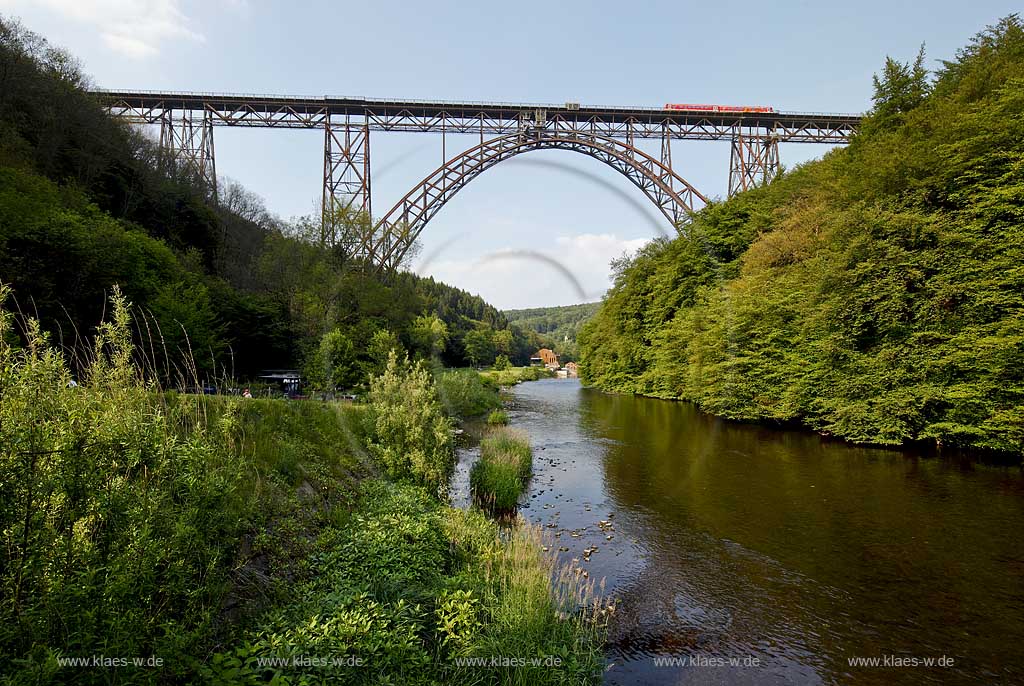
(87, 203)
(874, 295)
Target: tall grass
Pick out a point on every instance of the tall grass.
(498, 418)
(500, 475)
(129, 517)
(139, 522)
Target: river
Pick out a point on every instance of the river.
(762, 556)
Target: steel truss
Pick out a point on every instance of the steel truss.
(396, 232)
(186, 144)
(346, 168)
(754, 161)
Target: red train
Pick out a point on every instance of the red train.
(718, 108)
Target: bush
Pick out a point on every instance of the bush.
(499, 476)
(409, 435)
(498, 418)
(466, 393)
(123, 509)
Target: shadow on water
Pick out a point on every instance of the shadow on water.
(730, 541)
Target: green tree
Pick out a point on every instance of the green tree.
(333, 363)
(429, 335)
(900, 88)
(479, 345)
(382, 345)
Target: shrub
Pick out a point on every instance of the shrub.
(514, 375)
(499, 476)
(123, 509)
(466, 393)
(409, 435)
(407, 584)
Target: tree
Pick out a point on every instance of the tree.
(382, 345)
(479, 345)
(501, 363)
(503, 342)
(333, 363)
(429, 335)
(900, 88)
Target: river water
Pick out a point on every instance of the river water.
(761, 556)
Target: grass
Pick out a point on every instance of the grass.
(497, 418)
(466, 392)
(500, 475)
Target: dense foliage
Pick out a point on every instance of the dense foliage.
(128, 518)
(408, 588)
(874, 295)
(87, 203)
(209, 532)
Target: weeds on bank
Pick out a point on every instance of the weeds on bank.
(500, 475)
(515, 375)
(408, 587)
(130, 518)
(139, 522)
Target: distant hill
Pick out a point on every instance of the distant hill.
(556, 326)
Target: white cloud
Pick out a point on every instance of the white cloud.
(515, 278)
(134, 28)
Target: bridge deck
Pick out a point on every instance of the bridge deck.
(479, 117)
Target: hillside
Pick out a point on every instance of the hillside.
(87, 202)
(874, 295)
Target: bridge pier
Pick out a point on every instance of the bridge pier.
(186, 144)
(754, 160)
(346, 166)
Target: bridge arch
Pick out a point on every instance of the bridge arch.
(397, 230)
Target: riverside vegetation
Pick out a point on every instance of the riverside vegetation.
(215, 533)
(498, 478)
(874, 295)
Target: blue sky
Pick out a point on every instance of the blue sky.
(808, 56)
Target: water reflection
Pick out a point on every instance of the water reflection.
(733, 541)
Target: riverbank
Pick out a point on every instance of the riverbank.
(219, 535)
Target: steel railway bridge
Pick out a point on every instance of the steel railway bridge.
(609, 134)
